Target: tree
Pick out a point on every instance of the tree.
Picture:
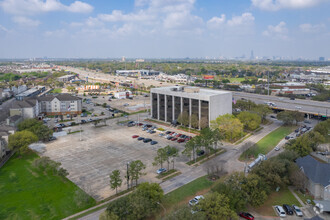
(135, 170)
(21, 140)
(184, 213)
(286, 117)
(115, 180)
(262, 110)
(183, 118)
(204, 122)
(36, 127)
(160, 158)
(192, 146)
(298, 116)
(254, 188)
(244, 105)
(216, 206)
(251, 121)
(194, 122)
(171, 152)
(227, 124)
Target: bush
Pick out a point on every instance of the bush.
(45, 164)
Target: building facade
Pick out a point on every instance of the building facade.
(167, 103)
(62, 104)
(27, 108)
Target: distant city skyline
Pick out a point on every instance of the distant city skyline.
(281, 29)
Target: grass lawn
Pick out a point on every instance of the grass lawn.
(304, 197)
(57, 90)
(284, 196)
(28, 193)
(187, 190)
(267, 143)
(232, 80)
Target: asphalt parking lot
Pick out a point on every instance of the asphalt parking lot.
(103, 149)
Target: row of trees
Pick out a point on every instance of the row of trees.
(134, 173)
(290, 117)
(259, 109)
(308, 142)
(166, 154)
(185, 119)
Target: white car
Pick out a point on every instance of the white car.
(298, 107)
(280, 211)
(297, 211)
(277, 148)
(195, 200)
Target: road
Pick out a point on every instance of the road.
(228, 161)
(306, 106)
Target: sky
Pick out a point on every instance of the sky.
(164, 28)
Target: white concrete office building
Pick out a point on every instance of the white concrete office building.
(168, 102)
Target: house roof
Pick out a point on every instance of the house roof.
(26, 103)
(61, 97)
(316, 171)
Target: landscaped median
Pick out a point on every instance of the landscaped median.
(267, 143)
(206, 157)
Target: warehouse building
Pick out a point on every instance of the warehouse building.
(168, 102)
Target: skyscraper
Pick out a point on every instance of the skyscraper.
(252, 55)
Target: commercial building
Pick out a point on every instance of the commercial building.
(123, 95)
(168, 102)
(66, 78)
(62, 104)
(31, 92)
(137, 73)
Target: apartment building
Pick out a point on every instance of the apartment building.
(61, 104)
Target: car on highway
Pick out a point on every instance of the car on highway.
(297, 107)
(146, 140)
(297, 211)
(195, 200)
(153, 142)
(280, 211)
(246, 215)
(140, 138)
(161, 170)
(135, 136)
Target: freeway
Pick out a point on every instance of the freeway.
(283, 103)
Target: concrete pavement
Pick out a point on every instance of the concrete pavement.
(228, 160)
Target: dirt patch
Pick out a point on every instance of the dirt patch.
(33, 173)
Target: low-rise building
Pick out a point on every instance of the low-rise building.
(62, 104)
(27, 108)
(31, 92)
(167, 103)
(66, 78)
(123, 95)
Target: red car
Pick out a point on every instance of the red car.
(178, 135)
(246, 215)
(135, 136)
(181, 140)
(174, 139)
(139, 124)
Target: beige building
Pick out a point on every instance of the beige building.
(61, 104)
(27, 108)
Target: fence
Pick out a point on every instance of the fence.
(6, 158)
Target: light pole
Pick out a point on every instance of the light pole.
(127, 175)
(80, 133)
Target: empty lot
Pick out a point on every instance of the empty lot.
(104, 149)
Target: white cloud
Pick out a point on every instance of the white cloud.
(244, 19)
(216, 22)
(309, 28)
(24, 21)
(118, 15)
(30, 7)
(279, 31)
(3, 29)
(56, 33)
(274, 5)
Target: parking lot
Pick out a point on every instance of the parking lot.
(103, 149)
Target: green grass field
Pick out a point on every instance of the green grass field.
(57, 90)
(187, 190)
(284, 196)
(232, 80)
(28, 193)
(267, 143)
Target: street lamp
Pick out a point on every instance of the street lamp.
(127, 174)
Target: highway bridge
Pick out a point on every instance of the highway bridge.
(309, 107)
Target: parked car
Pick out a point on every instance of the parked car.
(168, 132)
(288, 209)
(83, 121)
(181, 140)
(52, 138)
(174, 139)
(307, 122)
(69, 123)
(89, 120)
(146, 140)
(200, 153)
(161, 170)
(140, 138)
(280, 211)
(195, 200)
(153, 142)
(297, 211)
(287, 137)
(135, 136)
(169, 138)
(277, 148)
(161, 134)
(272, 116)
(246, 215)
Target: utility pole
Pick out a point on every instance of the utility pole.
(127, 175)
(268, 81)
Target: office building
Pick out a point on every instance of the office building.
(168, 102)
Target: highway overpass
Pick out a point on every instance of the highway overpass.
(314, 108)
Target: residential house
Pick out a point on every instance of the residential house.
(318, 175)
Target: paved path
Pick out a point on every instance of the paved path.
(295, 195)
(228, 160)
